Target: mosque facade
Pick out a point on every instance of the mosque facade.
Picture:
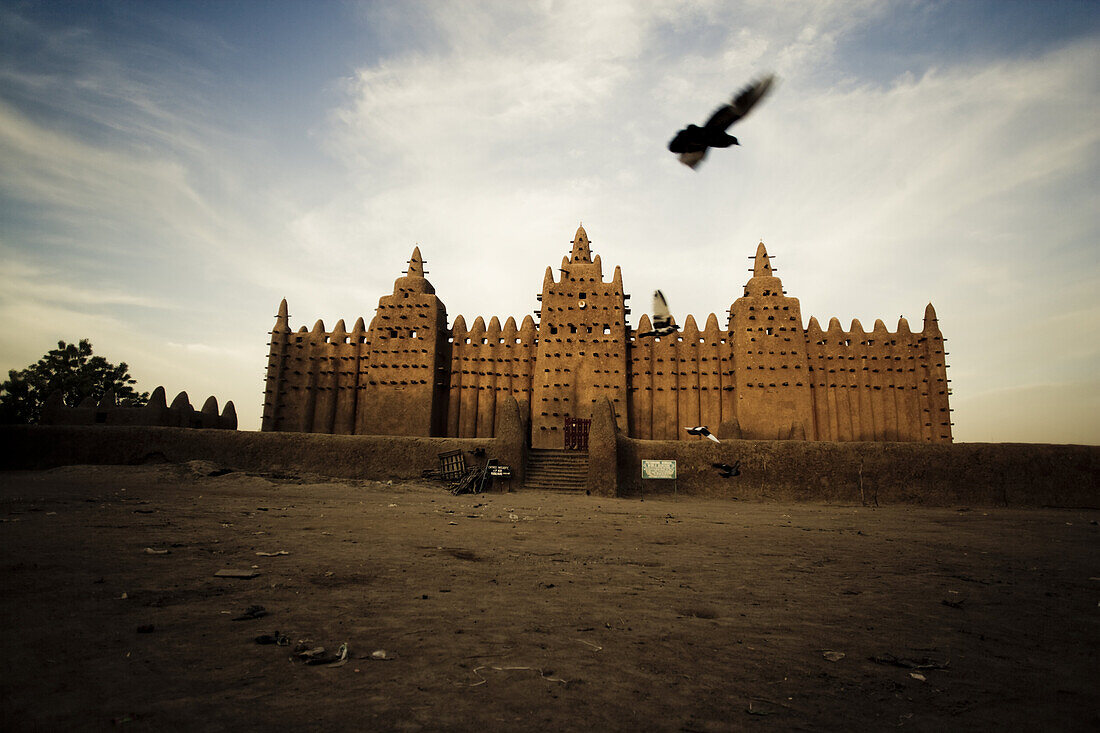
(761, 375)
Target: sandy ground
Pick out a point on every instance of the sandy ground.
(533, 610)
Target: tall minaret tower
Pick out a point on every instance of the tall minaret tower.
(276, 377)
(402, 382)
(934, 391)
(581, 354)
(769, 356)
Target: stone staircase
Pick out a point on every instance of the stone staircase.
(556, 470)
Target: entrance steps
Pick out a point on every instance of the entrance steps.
(556, 470)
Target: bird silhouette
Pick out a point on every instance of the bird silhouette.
(662, 319)
(692, 142)
(728, 471)
(702, 430)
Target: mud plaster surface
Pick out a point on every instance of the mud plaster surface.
(579, 613)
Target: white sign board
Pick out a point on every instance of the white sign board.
(658, 469)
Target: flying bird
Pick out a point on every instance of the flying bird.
(728, 471)
(662, 319)
(702, 430)
(691, 143)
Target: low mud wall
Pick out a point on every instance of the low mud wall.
(985, 474)
(338, 456)
(978, 474)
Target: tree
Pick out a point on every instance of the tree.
(72, 369)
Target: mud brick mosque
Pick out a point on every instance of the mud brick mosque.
(762, 376)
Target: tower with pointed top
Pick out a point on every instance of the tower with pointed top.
(581, 353)
(934, 389)
(402, 386)
(275, 378)
(389, 379)
(773, 399)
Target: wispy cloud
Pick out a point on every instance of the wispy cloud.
(19, 281)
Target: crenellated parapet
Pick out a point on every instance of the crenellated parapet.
(488, 363)
(155, 412)
(679, 380)
(879, 384)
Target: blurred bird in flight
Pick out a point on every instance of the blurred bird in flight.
(702, 430)
(728, 471)
(662, 319)
(691, 143)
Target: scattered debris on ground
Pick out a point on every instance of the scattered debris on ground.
(276, 639)
(237, 573)
(909, 663)
(252, 612)
(318, 656)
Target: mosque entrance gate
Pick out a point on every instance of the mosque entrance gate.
(576, 433)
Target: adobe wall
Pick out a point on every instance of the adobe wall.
(35, 447)
(971, 474)
(680, 380)
(603, 446)
(881, 385)
(487, 365)
(155, 412)
(986, 474)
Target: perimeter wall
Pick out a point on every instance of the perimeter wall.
(979, 474)
(988, 474)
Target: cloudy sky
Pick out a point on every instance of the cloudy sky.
(170, 170)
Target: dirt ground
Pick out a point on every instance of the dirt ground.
(532, 610)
